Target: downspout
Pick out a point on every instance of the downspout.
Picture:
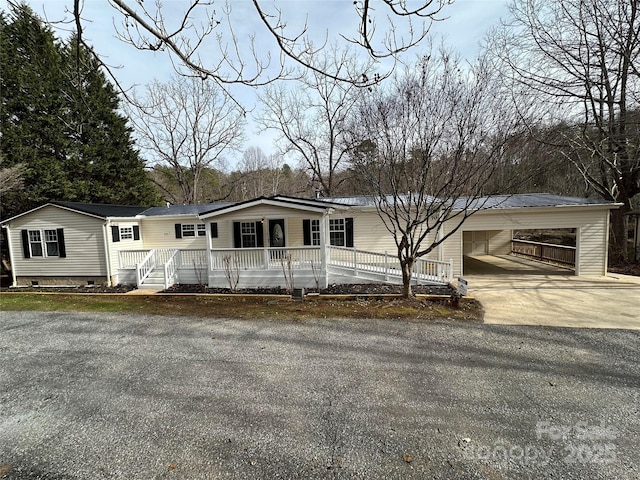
(14, 283)
(107, 256)
(440, 246)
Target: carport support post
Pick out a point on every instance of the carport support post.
(324, 252)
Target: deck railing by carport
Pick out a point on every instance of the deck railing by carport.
(546, 252)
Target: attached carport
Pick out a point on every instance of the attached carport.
(489, 230)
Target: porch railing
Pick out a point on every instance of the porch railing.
(424, 269)
(184, 258)
(130, 258)
(545, 252)
(266, 258)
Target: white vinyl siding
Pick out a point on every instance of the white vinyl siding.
(292, 218)
(84, 242)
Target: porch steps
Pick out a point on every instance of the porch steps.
(155, 280)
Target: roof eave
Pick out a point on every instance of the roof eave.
(265, 201)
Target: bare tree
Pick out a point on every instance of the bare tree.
(188, 125)
(10, 178)
(261, 174)
(312, 119)
(207, 41)
(581, 58)
(426, 149)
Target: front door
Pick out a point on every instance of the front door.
(276, 233)
(276, 238)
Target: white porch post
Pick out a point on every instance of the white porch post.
(107, 252)
(14, 283)
(324, 281)
(208, 263)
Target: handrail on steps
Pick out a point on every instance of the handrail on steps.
(145, 267)
(170, 269)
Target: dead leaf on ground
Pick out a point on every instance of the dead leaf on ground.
(407, 458)
(172, 466)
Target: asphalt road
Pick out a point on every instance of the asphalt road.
(91, 396)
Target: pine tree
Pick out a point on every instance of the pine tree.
(32, 109)
(102, 160)
(59, 118)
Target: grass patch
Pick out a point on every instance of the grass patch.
(246, 307)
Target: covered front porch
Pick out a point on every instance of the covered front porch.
(299, 267)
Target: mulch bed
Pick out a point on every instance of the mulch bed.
(79, 289)
(334, 289)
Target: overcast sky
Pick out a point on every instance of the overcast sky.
(463, 28)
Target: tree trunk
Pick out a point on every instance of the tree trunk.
(618, 251)
(407, 266)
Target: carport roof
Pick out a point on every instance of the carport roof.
(528, 200)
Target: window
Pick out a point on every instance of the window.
(191, 230)
(315, 232)
(51, 241)
(248, 234)
(188, 230)
(131, 232)
(337, 232)
(35, 243)
(126, 233)
(43, 243)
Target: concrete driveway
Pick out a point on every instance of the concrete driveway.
(515, 291)
(105, 396)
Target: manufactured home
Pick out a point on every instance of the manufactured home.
(270, 241)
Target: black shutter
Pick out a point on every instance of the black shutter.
(178, 230)
(25, 244)
(214, 230)
(306, 232)
(136, 232)
(348, 227)
(115, 233)
(62, 250)
(260, 234)
(237, 238)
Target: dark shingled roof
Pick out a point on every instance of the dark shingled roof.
(103, 210)
(184, 209)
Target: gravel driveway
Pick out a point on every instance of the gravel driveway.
(141, 397)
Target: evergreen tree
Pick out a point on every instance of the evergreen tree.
(59, 118)
(102, 162)
(32, 109)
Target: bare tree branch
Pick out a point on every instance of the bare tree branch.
(427, 149)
